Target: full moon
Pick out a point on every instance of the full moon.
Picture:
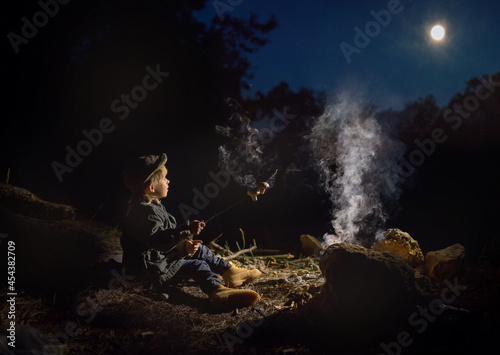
(437, 32)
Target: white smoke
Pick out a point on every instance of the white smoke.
(357, 161)
(244, 151)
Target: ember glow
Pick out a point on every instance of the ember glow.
(357, 163)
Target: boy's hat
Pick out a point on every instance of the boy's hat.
(140, 170)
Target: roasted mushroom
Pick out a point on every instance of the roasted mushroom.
(262, 186)
(253, 194)
(259, 188)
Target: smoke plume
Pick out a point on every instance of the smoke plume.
(244, 151)
(357, 162)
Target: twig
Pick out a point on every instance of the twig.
(238, 253)
(242, 237)
(214, 245)
(8, 176)
(214, 240)
(255, 245)
(271, 257)
(263, 252)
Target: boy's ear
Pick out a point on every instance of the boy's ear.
(150, 188)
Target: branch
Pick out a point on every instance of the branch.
(238, 253)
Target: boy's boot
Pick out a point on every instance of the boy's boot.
(235, 276)
(223, 297)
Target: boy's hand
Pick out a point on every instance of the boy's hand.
(192, 246)
(196, 227)
(185, 235)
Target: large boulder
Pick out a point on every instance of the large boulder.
(54, 246)
(401, 243)
(444, 264)
(24, 202)
(366, 292)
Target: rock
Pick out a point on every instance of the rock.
(424, 284)
(401, 243)
(365, 291)
(444, 264)
(52, 253)
(22, 201)
(310, 245)
(54, 247)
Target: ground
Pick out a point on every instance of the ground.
(126, 318)
(119, 316)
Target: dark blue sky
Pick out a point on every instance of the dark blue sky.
(398, 65)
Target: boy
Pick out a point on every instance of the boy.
(155, 249)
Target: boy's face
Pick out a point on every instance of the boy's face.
(161, 187)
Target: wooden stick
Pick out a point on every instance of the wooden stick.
(8, 176)
(238, 253)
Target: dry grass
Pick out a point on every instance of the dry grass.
(139, 321)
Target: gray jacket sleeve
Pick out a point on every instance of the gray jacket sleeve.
(152, 227)
(161, 237)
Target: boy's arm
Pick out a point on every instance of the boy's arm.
(146, 226)
(179, 238)
(164, 239)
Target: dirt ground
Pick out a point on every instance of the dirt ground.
(119, 316)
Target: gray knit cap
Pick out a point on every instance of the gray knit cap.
(140, 170)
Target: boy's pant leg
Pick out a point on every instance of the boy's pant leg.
(200, 272)
(216, 264)
(203, 268)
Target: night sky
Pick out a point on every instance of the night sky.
(398, 65)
